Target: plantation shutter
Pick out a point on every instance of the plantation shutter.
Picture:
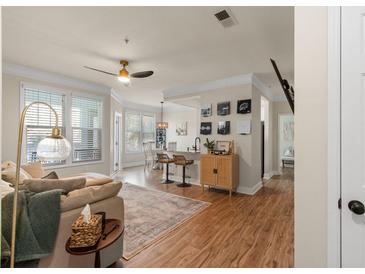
(148, 127)
(40, 120)
(133, 132)
(86, 129)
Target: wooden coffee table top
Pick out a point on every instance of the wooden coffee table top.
(104, 241)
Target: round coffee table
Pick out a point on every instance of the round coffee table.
(112, 232)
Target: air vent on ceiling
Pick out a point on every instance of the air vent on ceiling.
(226, 18)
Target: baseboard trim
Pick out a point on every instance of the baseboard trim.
(268, 175)
(249, 190)
(133, 164)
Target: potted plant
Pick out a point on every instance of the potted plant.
(209, 145)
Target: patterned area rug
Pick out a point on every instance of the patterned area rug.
(151, 214)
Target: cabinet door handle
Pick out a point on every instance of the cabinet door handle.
(215, 171)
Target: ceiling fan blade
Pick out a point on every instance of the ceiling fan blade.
(142, 74)
(102, 71)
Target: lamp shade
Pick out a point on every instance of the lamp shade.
(162, 125)
(53, 148)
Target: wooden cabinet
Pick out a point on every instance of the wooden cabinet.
(219, 171)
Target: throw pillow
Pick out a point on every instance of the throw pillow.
(5, 189)
(67, 185)
(51, 175)
(35, 169)
(7, 164)
(8, 175)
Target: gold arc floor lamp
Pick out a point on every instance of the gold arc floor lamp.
(53, 147)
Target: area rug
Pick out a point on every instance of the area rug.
(150, 214)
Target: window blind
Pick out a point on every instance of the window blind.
(133, 132)
(40, 120)
(86, 129)
(148, 127)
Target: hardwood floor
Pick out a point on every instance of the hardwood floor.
(237, 231)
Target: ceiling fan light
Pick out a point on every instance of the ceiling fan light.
(124, 76)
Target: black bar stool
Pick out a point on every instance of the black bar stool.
(180, 160)
(164, 159)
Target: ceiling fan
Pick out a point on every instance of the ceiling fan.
(123, 74)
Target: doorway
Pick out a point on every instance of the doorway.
(265, 139)
(286, 141)
(117, 142)
(352, 138)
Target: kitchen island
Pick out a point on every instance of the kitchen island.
(192, 171)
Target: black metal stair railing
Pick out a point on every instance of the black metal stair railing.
(288, 90)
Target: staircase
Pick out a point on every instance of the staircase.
(288, 90)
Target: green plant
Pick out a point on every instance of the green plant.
(209, 144)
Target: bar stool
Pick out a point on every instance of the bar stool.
(180, 160)
(164, 159)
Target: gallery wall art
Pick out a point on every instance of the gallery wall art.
(224, 108)
(244, 106)
(206, 110)
(182, 129)
(206, 128)
(224, 127)
(244, 127)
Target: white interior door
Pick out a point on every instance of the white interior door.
(117, 140)
(353, 136)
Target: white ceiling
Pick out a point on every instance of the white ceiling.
(183, 45)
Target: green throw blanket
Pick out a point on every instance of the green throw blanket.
(38, 217)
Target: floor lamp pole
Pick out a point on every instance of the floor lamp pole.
(17, 175)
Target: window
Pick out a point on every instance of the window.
(86, 129)
(133, 132)
(80, 120)
(40, 120)
(148, 127)
(139, 128)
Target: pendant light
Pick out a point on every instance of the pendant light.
(162, 124)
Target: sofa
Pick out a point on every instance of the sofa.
(99, 191)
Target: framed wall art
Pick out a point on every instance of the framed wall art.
(224, 108)
(206, 110)
(244, 106)
(182, 129)
(206, 128)
(224, 127)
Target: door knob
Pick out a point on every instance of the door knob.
(357, 207)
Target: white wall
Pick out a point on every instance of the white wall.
(311, 120)
(248, 147)
(10, 120)
(191, 116)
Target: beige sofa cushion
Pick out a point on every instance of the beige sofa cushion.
(88, 195)
(35, 169)
(40, 185)
(93, 179)
(8, 175)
